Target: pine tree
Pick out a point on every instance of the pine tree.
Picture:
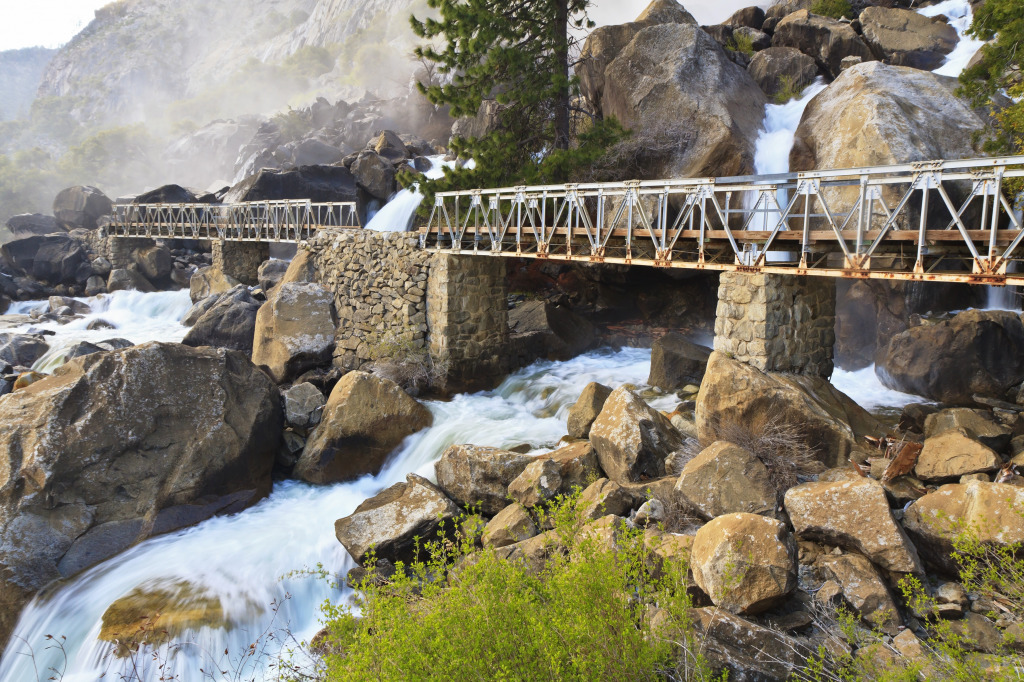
(516, 53)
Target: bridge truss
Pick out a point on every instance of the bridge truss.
(949, 221)
(255, 221)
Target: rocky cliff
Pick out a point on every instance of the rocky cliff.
(20, 74)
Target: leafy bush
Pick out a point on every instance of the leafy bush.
(837, 9)
(464, 614)
(787, 90)
(742, 43)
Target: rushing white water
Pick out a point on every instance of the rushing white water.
(397, 215)
(241, 559)
(960, 18)
(136, 316)
(867, 390)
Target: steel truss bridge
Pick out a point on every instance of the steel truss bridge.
(254, 221)
(949, 221)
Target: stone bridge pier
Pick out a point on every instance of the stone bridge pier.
(240, 260)
(777, 323)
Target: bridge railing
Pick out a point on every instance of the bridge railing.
(950, 220)
(285, 221)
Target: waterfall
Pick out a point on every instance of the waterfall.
(960, 18)
(397, 215)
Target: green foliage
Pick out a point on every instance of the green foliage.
(787, 90)
(837, 9)
(514, 55)
(1000, 69)
(466, 614)
(742, 43)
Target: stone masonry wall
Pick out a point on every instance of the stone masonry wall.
(241, 260)
(118, 250)
(777, 323)
(379, 280)
(467, 312)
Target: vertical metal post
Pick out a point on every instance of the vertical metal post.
(923, 229)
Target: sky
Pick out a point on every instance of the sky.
(51, 23)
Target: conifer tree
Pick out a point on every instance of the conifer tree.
(518, 54)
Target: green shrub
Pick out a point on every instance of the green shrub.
(837, 9)
(742, 43)
(472, 615)
(787, 90)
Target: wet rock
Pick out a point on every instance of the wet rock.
(115, 344)
(632, 439)
(95, 285)
(53, 259)
(863, 589)
(540, 481)
(228, 323)
(189, 432)
(906, 38)
(982, 353)
(22, 350)
(389, 522)
(303, 406)
(744, 650)
(478, 477)
(512, 524)
(154, 263)
(160, 612)
(294, 330)
(374, 174)
(559, 333)
(725, 478)
(853, 514)
(677, 72)
(782, 68)
(271, 273)
(77, 307)
(603, 497)
(677, 362)
(365, 419)
(953, 454)
(128, 280)
(81, 349)
(81, 207)
(746, 563)
(736, 394)
(825, 39)
(209, 281)
(29, 224)
(586, 409)
(992, 509)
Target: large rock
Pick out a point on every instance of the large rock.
(389, 522)
(605, 43)
(229, 323)
(128, 279)
(863, 588)
(316, 183)
(724, 479)
(745, 651)
(632, 439)
(953, 454)
(303, 406)
(828, 40)
(28, 225)
(671, 73)
(736, 394)
(365, 419)
(168, 194)
(861, 120)
(586, 409)
(540, 481)
(977, 424)
(118, 447)
(782, 68)
(746, 563)
(991, 510)
(560, 333)
(271, 273)
(54, 258)
(853, 514)
(512, 524)
(154, 263)
(374, 174)
(81, 208)
(677, 362)
(209, 281)
(906, 38)
(982, 352)
(22, 350)
(295, 330)
(478, 477)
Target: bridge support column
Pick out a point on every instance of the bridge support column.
(241, 260)
(777, 323)
(467, 315)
